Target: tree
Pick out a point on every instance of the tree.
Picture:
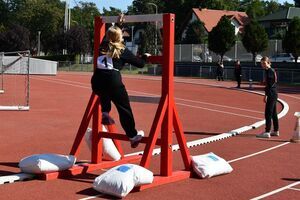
(84, 14)
(220, 4)
(255, 38)
(297, 3)
(271, 7)
(291, 41)
(56, 43)
(16, 38)
(78, 41)
(43, 15)
(255, 9)
(195, 33)
(222, 37)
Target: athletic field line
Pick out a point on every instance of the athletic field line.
(276, 191)
(260, 152)
(75, 84)
(297, 189)
(179, 80)
(214, 110)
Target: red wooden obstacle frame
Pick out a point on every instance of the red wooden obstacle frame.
(166, 118)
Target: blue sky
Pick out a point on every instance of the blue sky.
(122, 4)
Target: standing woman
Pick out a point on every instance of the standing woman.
(238, 73)
(270, 99)
(107, 81)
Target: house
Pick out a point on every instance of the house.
(278, 22)
(210, 18)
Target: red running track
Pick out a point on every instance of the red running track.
(266, 168)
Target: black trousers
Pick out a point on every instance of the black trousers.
(238, 80)
(109, 87)
(271, 114)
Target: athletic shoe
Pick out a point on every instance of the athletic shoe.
(275, 133)
(134, 141)
(264, 135)
(106, 119)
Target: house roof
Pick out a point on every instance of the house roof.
(210, 17)
(288, 13)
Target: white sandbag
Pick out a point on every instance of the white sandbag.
(110, 151)
(120, 180)
(42, 163)
(208, 165)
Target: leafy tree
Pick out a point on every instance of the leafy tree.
(56, 43)
(220, 4)
(84, 13)
(255, 38)
(222, 37)
(16, 38)
(181, 8)
(78, 41)
(271, 7)
(255, 9)
(195, 33)
(297, 3)
(4, 12)
(291, 41)
(43, 15)
(147, 41)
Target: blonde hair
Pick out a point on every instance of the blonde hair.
(115, 38)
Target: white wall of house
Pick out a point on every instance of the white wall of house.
(236, 25)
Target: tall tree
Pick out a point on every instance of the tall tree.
(43, 15)
(83, 14)
(255, 38)
(220, 4)
(77, 40)
(222, 37)
(271, 7)
(195, 33)
(291, 41)
(15, 38)
(297, 3)
(255, 9)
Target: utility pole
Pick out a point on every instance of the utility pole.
(39, 43)
(66, 21)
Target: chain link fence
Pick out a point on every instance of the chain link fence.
(201, 53)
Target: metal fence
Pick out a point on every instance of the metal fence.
(201, 53)
(248, 73)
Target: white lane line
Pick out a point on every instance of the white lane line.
(62, 83)
(212, 104)
(275, 191)
(178, 80)
(70, 83)
(260, 152)
(297, 189)
(230, 113)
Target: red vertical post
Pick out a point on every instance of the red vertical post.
(168, 93)
(99, 32)
(96, 150)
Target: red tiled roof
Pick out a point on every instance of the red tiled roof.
(210, 18)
